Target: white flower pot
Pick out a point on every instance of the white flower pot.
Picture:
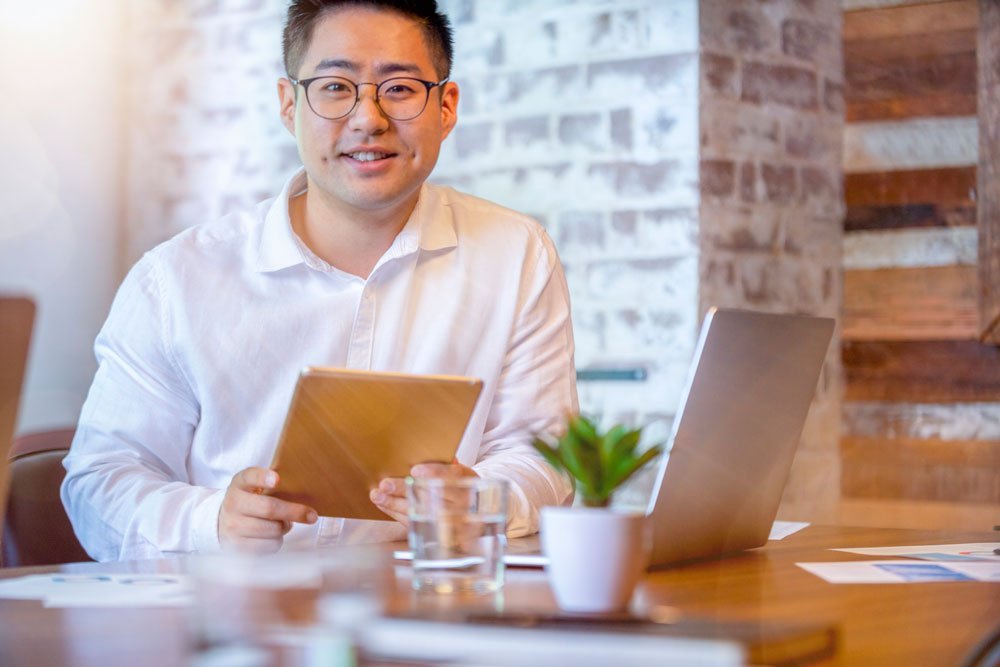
(596, 556)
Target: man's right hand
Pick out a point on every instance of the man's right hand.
(251, 521)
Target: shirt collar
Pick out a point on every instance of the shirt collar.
(278, 247)
(430, 227)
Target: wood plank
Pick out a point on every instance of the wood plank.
(913, 143)
(883, 512)
(911, 20)
(950, 186)
(936, 43)
(962, 471)
(921, 371)
(949, 421)
(868, 218)
(928, 303)
(867, 80)
(921, 106)
(935, 106)
(910, 248)
(989, 172)
(917, 452)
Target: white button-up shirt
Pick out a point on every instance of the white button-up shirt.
(202, 348)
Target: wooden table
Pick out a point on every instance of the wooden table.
(892, 624)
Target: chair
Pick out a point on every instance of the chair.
(36, 530)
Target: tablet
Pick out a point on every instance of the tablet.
(348, 429)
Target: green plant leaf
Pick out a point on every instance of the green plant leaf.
(630, 466)
(610, 442)
(550, 454)
(581, 442)
(578, 461)
(584, 428)
(599, 462)
(625, 445)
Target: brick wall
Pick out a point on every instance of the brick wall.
(201, 94)
(771, 212)
(584, 115)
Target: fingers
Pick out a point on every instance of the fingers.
(390, 497)
(254, 522)
(276, 509)
(391, 505)
(255, 479)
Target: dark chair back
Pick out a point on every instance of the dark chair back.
(36, 530)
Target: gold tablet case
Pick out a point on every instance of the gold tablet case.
(348, 429)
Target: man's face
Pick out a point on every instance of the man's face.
(368, 45)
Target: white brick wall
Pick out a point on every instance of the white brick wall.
(585, 115)
(205, 137)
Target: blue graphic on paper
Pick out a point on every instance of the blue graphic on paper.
(923, 572)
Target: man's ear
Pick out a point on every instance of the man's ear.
(286, 100)
(449, 108)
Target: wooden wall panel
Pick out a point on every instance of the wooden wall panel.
(862, 218)
(911, 107)
(892, 513)
(921, 439)
(911, 87)
(951, 186)
(910, 20)
(945, 470)
(921, 371)
(935, 303)
(929, 44)
(911, 62)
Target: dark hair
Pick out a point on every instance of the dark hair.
(303, 15)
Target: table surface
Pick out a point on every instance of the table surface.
(878, 624)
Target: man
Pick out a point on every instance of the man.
(357, 263)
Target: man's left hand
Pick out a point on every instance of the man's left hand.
(390, 496)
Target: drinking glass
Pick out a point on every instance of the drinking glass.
(457, 533)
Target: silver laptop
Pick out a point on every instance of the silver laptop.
(738, 425)
(17, 315)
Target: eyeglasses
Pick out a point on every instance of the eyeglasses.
(333, 97)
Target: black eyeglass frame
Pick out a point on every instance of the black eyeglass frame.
(428, 85)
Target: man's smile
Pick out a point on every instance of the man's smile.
(368, 156)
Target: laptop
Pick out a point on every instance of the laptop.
(748, 390)
(17, 316)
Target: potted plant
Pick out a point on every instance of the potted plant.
(596, 554)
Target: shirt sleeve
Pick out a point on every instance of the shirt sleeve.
(535, 393)
(126, 488)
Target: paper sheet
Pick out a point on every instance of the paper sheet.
(101, 590)
(901, 571)
(972, 551)
(782, 529)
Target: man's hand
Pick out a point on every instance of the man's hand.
(250, 521)
(390, 496)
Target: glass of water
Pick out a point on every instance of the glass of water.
(457, 533)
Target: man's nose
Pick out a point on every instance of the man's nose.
(367, 114)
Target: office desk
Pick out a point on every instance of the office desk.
(892, 624)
